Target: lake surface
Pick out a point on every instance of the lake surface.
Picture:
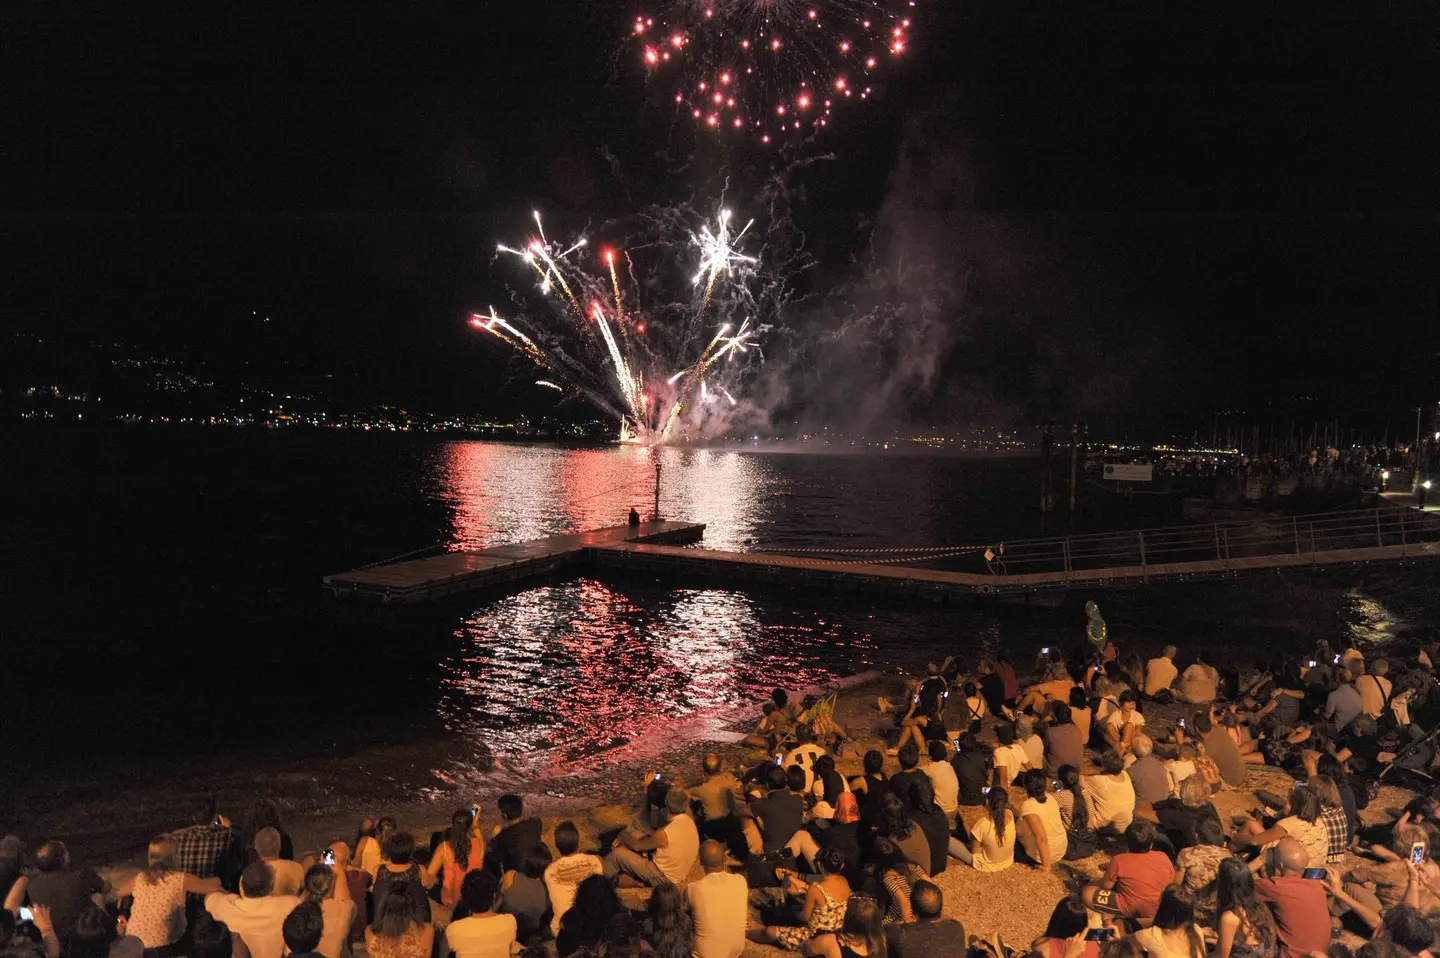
(165, 615)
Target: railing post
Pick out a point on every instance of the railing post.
(1402, 525)
(1217, 542)
(1065, 546)
(1295, 522)
(1379, 536)
(1140, 534)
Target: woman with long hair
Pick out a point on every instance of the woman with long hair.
(1243, 921)
(1332, 816)
(896, 824)
(483, 931)
(461, 851)
(671, 927)
(1302, 824)
(1174, 933)
(400, 930)
(584, 924)
(1080, 839)
(992, 840)
(157, 916)
(370, 841)
(1042, 834)
(1068, 925)
(861, 934)
(331, 893)
(899, 875)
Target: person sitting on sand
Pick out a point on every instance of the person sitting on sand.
(564, 875)
(928, 935)
(1041, 832)
(672, 850)
(992, 840)
(720, 904)
(1011, 758)
(1051, 690)
(1110, 793)
(769, 730)
(1200, 682)
(1122, 724)
(922, 722)
(771, 822)
(1302, 824)
(1160, 674)
(512, 840)
(822, 908)
(974, 764)
(1065, 933)
(460, 852)
(1135, 879)
(484, 931)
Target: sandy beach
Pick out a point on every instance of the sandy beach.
(601, 794)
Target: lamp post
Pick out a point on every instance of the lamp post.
(1415, 453)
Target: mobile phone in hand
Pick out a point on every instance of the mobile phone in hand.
(1417, 853)
(327, 857)
(1314, 874)
(1100, 934)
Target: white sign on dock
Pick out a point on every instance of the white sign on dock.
(1129, 472)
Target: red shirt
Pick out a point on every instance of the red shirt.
(1007, 676)
(1140, 878)
(1302, 914)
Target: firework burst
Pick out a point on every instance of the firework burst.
(592, 340)
(772, 69)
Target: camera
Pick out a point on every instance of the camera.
(657, 774)
(26, 914)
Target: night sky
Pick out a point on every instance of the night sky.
(1164, 211)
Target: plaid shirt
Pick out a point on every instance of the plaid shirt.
(202, 848)
(1337, 832)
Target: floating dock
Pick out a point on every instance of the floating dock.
(1019, 568)
(420, 580)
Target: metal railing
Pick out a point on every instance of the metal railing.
(1220, 542)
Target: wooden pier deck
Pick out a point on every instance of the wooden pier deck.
(419, 580)
(1020, 567)
(941, 585)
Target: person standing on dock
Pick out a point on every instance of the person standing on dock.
(634, 518)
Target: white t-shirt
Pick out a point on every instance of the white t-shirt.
(681, 849)
(1034, 751)
(256, 920)
(1119, 718)
(1159, 673)
(1111, 799)
(563, 876)
(338, 917)
(946, 785)
(476, 937)
(720, 903)
(1049, 814)
(805, 756)
(1014, 759)
(993, 853)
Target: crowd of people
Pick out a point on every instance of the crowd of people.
(1066, 774)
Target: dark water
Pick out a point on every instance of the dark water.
(164, 615)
